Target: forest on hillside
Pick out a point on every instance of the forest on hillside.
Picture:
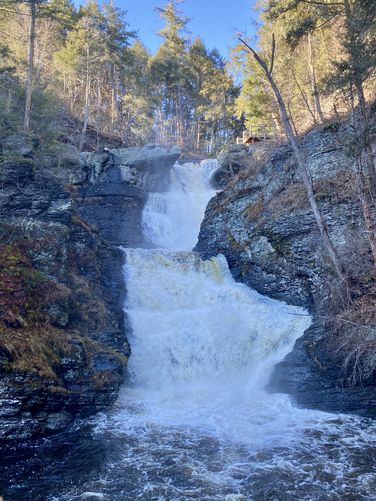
(89, 63)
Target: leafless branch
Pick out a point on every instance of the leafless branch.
(272, 55)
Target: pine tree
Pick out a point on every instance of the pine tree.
(354, 22)
(139, 101)
(84, 58)
(169, 70)
(115, 60)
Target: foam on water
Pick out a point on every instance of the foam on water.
(203, 345)
(194, 420)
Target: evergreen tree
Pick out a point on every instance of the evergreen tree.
(169, 72)
(183, 94)
(139, 100)
(355, 24)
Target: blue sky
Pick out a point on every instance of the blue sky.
(215, 21)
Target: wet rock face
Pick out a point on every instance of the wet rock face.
(266, 229)
(238, 159)
(34, 405)
(118, 183)
(63, 335)
(314, 380)
(263, 225)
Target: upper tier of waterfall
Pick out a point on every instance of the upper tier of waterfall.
(171, 220)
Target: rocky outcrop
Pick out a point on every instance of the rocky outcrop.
(116, 188)
(262, 223)
(235, 159)
(63, 335)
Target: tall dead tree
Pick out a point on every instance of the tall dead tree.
(313, 80)
(268, 72)
(30, 64)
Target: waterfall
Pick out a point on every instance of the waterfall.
(193, 323)
(200, 340)
(193, 420)
(172, 220)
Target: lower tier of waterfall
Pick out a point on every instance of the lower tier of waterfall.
(193, 324)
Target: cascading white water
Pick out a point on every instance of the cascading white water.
(193, 421)
(172, 220)
(203, 345)
(196, 332)
(193, 324)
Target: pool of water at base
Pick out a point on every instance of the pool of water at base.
(330, 458)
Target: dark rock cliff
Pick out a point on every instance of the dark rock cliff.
(63, 344)
(262, 223)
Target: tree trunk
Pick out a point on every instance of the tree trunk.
(312, 74)
(30, 65)
(179, 119)
(211, 144)
(231, 170)
(363, 126)
(301, 166)
(113, 95)
(365, 137)
(291, 120)
(198, 137)
(305, 99)
(363, 196)
(87, 104)
(277, 125)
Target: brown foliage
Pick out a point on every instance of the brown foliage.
(253, 210)
(292, 197)
(340, 187)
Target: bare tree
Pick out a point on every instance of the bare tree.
(313, 80)
(87, 100)
(268, 71)
(363, 196)
(30, 63)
